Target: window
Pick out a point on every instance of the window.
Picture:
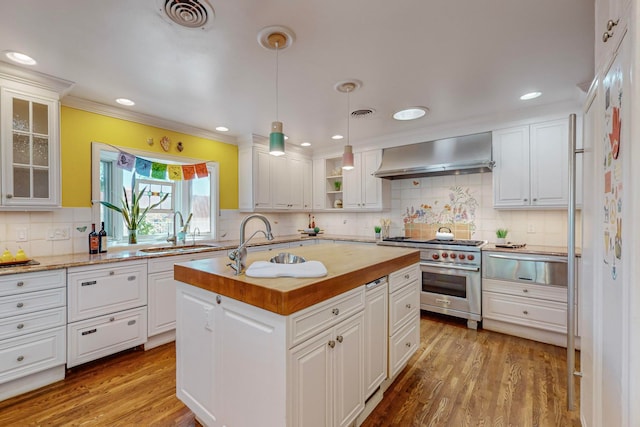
(197, 198)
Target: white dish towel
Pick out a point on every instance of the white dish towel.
(271, 269)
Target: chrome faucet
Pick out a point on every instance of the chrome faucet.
(239, 255)
(174, 239)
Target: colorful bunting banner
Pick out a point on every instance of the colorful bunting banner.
(147, 168)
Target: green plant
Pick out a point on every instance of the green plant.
(337, 185)
(377, 228)
(501, 233)
(131, 213)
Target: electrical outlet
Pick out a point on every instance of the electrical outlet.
(21, 235)
(531, 228)
(59, 233)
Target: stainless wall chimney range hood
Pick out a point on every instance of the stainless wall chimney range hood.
(450, 156)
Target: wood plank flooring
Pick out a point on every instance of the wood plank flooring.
(458, 377)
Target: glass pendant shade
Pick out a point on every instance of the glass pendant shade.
(276, 140)
(347, 158)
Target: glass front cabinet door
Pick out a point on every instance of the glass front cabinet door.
(30, 150)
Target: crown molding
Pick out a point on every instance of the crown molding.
(34, 78)
(145, 119)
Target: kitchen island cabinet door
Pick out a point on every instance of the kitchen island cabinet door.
(376, 332)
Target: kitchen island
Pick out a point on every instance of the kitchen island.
(291, 351)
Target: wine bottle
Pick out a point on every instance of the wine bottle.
(313, 222)
(102, 235)
(94, 241)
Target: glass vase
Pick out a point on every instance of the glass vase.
(133, 237)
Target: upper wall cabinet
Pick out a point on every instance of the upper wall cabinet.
(611, 24)
(30, 140)
(354, 190)
(531, 169)
(270, 183)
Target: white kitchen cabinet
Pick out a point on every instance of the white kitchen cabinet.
(361, 189)
(404, 317)
(611, 23)
(30, 139)
(33, 316)
(328, 376)
(273, 183)
(319, 185)
(375, 330)
(161, 296)
(107, 310)
(531, 166)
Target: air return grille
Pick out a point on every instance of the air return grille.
(188, 13)
(362, 113)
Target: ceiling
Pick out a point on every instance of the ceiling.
(460, 58)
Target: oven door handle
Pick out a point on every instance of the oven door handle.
(452, 267)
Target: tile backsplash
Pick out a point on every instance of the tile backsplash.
(462, 202)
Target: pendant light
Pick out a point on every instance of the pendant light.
(276, 38)
(347, 155)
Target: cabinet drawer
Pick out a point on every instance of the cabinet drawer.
(94, 338)
(31, 353)
(530, 290)
(548, 315)
(310, 321)
(403, 277)
(403, 305)
(106, 290)
(30, 302)
(403, 344)
(157, 265)
(29, 282)
(33, 322)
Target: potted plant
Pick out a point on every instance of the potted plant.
(337, 185)
(377, 229)
(501, 234)
(131, 213)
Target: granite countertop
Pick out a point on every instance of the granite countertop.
(561, 251)
(125, 254)
(348, 266)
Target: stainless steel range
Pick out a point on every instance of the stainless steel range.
(451, 278)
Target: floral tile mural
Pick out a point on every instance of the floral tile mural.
(456, 211)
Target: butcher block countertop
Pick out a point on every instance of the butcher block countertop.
(348, 266)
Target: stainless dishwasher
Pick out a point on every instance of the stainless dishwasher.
(525, 268)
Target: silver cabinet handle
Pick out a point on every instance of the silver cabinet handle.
(332, 343)
(93, 282)
(20, 358)
(131, 278)
(526, 200)
(335, 311)
(20, 284)
(131, 322)
(20, 325)
(218, 299)
(111, 319)
(611, 23)
(111, 273)
(525, 312)
(20, 305)
(339, 338)
(606, 36)
(525, 290)
(408, 306)
(9, 196)
(408, 345)
(406, 276)
(535, 200)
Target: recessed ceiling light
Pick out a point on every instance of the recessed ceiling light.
(336, 137)
(305, 144)
(222, 129)
(410, 113)
(21, 58)
(530, 95)
(125, 101)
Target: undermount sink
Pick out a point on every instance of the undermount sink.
(185, 248)
(287, 258)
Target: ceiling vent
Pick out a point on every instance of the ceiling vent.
(362, 113)
(187, 13)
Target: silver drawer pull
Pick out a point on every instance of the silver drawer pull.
(111, 319)
(20, 358)
(20, 305)
(335, 311)
(92, 282)
(406, 276)
(90, 331)
(131, 278)
(332, 343)
(408, 345)
(131, 322)
(525, 278)
(525, 290)
(111, 273)
(20, 284)
(20, 325)
(525, 312)
(339, 338)
(408, 306)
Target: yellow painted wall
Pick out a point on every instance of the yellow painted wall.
(79, 128)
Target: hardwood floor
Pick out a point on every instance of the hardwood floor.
(458, 377)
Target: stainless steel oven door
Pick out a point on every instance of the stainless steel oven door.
(451, 289)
